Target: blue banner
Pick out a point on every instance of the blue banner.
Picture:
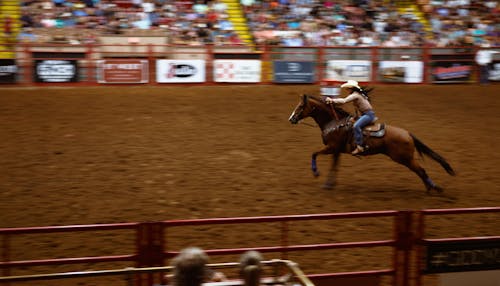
(293, 72)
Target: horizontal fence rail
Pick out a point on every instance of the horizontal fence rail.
(409, 234)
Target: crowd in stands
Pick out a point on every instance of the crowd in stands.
(374, 23)
(282, 22)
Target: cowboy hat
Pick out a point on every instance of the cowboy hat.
(351, 83)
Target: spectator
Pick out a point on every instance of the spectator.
(190, 267)
(484, 58)
(26, 35)
(251, 268)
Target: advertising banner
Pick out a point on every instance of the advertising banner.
(401, 71)
(8, 71)
(180, 71)
(122, 71)
(55, 71)
(237, 70)
(463, 256)
(343, 70)
(293, 72)
(451, 72)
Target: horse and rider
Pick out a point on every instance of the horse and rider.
(361, 101)
(338, 131)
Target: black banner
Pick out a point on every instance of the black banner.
(55, 71)
(463, 256)
(8, 71)
(293, 72)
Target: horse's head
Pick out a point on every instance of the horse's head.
(302, 110)
(316, 108)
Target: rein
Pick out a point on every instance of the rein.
(334, 112)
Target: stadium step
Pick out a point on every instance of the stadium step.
(10, 10)
(237, 18)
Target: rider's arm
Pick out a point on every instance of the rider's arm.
(349, 98)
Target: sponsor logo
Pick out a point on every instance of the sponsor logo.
(181, 70)
(294, 67)
(8, 69)
(455, 71)
(56, 70)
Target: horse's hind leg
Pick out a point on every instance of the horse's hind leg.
(429, 184)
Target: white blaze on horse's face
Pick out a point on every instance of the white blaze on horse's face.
(297, 112)
(294, 118)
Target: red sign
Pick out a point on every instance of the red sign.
(122, 71)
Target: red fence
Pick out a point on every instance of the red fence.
(409, 234)
(160, 64)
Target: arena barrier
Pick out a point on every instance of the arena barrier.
(155, 63)
(409, 239)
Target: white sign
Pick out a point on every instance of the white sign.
(401, 71)
(175, 71)
(338, 70)
(237, 70)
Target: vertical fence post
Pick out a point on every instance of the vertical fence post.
(404, 239)
(6, 255)
(374, 57)
(322, 64)
(427, 63)
(28, 72)
(90, 64)
(419, 247)
(151, 64)
(149, 249)
(284, 239)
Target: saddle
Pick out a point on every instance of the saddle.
(374, 130)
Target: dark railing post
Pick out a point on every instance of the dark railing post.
(6, 254)
(375, 63)
(419, 247)
(149, 248)
(404, 240)
(284, 239)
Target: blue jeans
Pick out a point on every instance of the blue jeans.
(364, 120)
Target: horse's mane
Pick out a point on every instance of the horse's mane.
(340, 112)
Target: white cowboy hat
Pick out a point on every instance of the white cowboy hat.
(351, 83)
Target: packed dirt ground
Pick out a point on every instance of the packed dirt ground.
(92, 155)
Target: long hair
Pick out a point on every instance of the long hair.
(365, 91)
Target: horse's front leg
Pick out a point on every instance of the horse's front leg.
(330, 180)
(314, 167)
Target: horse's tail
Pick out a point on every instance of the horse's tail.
(424, 149)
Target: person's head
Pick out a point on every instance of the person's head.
(190, 267)
(250, 268)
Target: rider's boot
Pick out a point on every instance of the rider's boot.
(359, 149)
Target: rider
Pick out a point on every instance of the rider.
(361, 102)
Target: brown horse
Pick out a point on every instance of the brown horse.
(337, 134)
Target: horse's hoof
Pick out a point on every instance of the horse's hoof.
(327, 186)
(438, 189)
(434, 187)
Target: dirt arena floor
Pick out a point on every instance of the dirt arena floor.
(138, 153)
